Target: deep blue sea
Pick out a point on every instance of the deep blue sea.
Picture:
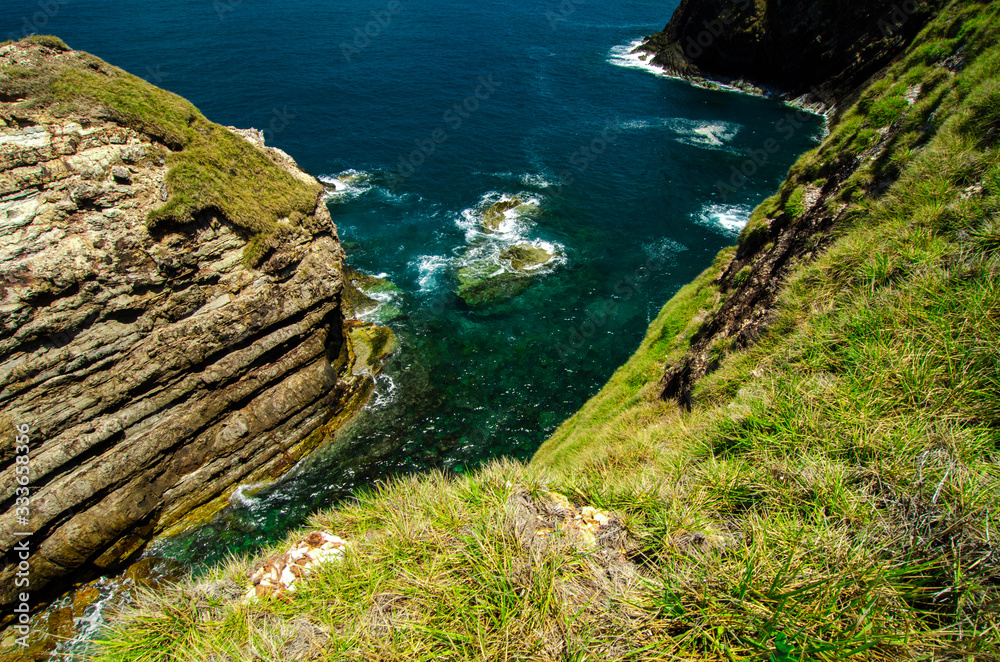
(435, 110)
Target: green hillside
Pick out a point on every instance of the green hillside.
(824, 488)
(210, 168)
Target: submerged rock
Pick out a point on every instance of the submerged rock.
(494, 216)
(495, 279)
(365, 295)
(370, 345)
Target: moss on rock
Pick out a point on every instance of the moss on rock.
(210, 168)
(494, 216)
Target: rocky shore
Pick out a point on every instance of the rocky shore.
(816, 54)
(159, 358)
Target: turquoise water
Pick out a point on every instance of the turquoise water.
(436, 110)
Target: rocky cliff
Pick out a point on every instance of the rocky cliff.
(170, 311)
(830, 493)
(824, 50)
(894, 118)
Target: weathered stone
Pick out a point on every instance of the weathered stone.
(494, 216)
(154, 370)
(121, 175)
(524, 257)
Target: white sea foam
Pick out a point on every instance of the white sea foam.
(625, 55)
(482, 248)
(384, 393)
(488, 251)
(112, 592)
(701, 133)
(246, 495)
(516, 222)
(346, 185)
(713, 134)
(382, 298)
(729, 218)
(538, 181)
(429, 267)
(527, 179)
(664, 250)
(557, 250)
(351, 184)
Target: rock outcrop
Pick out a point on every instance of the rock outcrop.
(820, 52)
(898, 113)
(495, 278)
(160, 358)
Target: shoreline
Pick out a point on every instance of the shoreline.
(630, 56)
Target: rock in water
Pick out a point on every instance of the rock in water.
(523, 257)
(494, 216)
(160, 353)
(492, 280)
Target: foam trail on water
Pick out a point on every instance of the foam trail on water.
(429, 267)
(244, 494)
(384, 393)
(731, 219)
(626, 56)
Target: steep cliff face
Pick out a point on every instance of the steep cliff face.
(893, 120)
(170, 311)
(797, 47)
(830, 494)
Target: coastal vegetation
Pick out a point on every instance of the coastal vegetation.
(828, 489)
(210, 168)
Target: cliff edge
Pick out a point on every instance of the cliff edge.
(818, 51)
(170, 313)
(827, 491)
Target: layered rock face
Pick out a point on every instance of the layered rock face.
(821, 50)
(155, 369)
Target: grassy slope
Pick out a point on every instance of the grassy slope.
(210, 168)
(832, 494)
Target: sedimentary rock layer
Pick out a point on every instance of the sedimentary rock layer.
(154, 368)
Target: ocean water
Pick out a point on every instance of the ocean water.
(435, 110)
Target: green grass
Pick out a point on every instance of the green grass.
(210, 169)
(832, 494)
(795, 204)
